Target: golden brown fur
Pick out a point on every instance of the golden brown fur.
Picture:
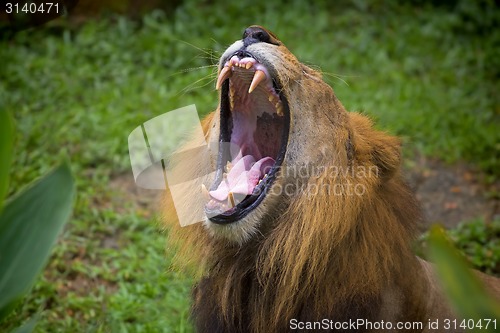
(334, 254)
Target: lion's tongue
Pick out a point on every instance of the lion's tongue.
(243, 177)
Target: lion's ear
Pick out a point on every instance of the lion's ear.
(386, 154)
(377, 147)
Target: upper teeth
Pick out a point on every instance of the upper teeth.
(260, 75)
(247, 63)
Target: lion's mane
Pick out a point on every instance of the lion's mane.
(320, 256)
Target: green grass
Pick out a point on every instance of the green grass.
(478, 241)
(421, 72)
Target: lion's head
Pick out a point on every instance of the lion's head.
(285, 128)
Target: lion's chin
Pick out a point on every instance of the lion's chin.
(254, 126)
(238, 232)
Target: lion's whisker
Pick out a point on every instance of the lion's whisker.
(191, 69)
(192, 86)
(338, 77)
(208, 52)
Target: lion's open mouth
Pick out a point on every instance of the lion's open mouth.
(255, 121)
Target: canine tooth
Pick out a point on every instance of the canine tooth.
(204, 192)
(231, 199)
(225, 73)
(259, 76)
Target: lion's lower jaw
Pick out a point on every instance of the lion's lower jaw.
(250, 226)
(238, 232)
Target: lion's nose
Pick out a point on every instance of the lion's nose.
(255, 34)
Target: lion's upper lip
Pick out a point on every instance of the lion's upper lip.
(254, 131)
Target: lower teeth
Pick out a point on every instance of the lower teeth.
(279, 109)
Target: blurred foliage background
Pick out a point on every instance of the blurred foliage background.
(78, 85)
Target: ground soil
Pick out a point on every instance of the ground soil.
(450, 194)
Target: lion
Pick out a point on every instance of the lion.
(308, 221)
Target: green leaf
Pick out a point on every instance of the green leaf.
(6, 142)
(28, 327)
(29, 226)
(463, 288)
